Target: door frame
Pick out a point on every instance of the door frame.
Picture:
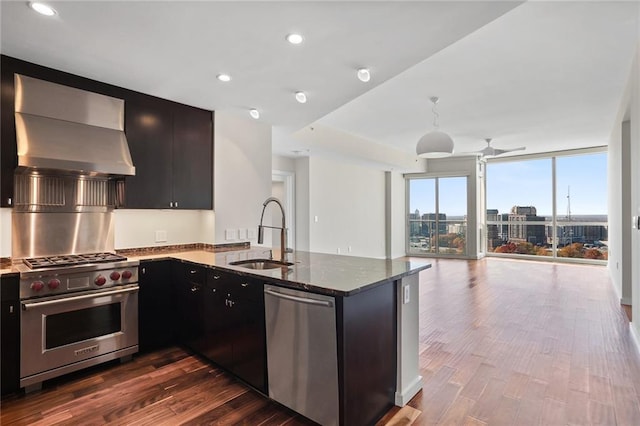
(288, 179)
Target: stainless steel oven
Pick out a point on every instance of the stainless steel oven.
(75, 317)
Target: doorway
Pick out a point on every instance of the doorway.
(283, 188)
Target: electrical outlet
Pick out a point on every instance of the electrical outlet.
(349, 249)
(338, 250)
(161, 236)
(230, 234)
(315, 219)
(251, 233)
(406, 298)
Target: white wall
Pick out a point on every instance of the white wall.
(284, 164)
(137, 228)
(623, 175)
(303, 218)
(242, 167)
(635, 184)
(396, 225)
(615, 208)
(349, 202)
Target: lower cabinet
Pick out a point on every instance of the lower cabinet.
(156, 307)
(9, 334)
(234, 326)
(188, 286)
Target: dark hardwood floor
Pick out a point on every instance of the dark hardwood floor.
(502, 342)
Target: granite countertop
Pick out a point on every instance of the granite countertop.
(316, 272)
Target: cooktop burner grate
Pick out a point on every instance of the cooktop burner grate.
(71, 260)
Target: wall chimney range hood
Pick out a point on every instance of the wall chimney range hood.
(71, 130)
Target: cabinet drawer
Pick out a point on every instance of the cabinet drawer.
(240, 286)
(192, 274)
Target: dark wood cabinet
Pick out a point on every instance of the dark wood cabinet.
(9, 334)
(234, 326)
(188, 287)
(149, 133)
(171, 144)
(172, 150)
(192, 158)
(156, 305)
(367, 337)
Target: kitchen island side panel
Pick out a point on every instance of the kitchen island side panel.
(367, 343)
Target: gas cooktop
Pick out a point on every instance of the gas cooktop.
(71, 260)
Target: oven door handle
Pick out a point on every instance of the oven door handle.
(26, 306)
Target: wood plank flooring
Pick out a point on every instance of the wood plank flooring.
(502, 342)
(511, 342)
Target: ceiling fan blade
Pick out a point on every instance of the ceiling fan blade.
(488, 151)
(497, 152)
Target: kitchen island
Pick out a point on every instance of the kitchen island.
(201, 301)
(375, 337)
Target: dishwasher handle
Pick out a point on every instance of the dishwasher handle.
(308, 301)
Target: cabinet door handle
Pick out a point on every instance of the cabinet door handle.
(193, 271)
(244, 284)
(11, 309)
(175, 204)
(216, 277)
(144, 271)
(194, 289)
(170, 203)
(9, 201)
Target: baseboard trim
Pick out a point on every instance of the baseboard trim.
(635, 335)
(402, 398)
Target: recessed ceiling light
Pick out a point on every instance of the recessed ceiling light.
(224, 77)
(301, 97)
(364, 75)
(294, 38)
(254, 113)
(42, 8)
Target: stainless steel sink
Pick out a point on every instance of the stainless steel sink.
(261, 264)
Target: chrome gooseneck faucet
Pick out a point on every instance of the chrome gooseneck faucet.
(283, 229)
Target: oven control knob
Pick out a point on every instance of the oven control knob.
(126, 275)
(37, 285)
(115, 276)
(53, 283)
(100, 280)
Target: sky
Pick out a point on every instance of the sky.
(525, 183)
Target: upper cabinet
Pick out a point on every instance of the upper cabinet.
(192, 158)
(171, 144)
(172, 149)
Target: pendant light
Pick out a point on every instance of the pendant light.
(435, 144)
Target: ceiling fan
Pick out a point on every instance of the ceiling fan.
(490, 151)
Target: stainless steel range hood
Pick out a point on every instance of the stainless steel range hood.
(63, 128)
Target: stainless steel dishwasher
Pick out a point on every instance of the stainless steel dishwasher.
(302, 359)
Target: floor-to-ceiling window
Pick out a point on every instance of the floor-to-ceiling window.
(437, 218)
(555, 207)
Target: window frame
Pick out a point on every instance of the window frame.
(554, 223)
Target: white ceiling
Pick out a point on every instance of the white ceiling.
(545, 75)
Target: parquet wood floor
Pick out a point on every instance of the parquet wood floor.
(511, 342)
(502, 342)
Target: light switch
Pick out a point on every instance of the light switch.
(230, 234)
(251, 233)
(315, 219)
(161, 236)
(242, 233)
